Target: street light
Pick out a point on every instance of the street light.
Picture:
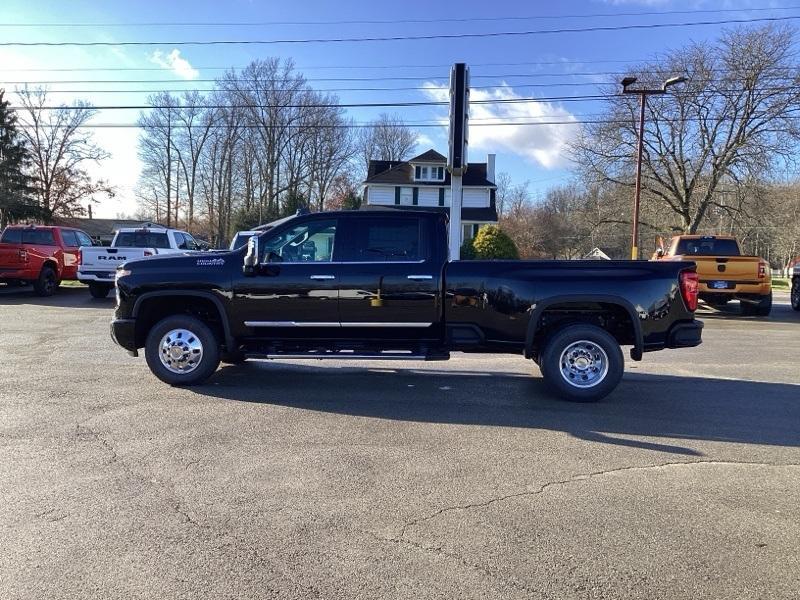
(643, 93)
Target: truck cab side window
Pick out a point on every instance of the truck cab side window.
(70, 238)
(312, 241)
(386, 239)
(83, 239)
(11, 236)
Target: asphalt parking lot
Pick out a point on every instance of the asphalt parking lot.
(462, 479)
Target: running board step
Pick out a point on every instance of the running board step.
(345, 355)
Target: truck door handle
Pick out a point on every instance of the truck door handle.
(322, 277)
(420, 277)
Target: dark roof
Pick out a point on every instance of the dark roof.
(487, 214)
(379, 166)
(429, 156)
(382, 171)
(98, 227)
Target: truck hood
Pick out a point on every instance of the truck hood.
(182, 261)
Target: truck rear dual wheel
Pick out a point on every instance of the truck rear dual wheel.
(99, 290)
(582, 363)
(182, 350)
(760, 309)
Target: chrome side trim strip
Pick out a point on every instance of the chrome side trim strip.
(292, 324)
(378, 324)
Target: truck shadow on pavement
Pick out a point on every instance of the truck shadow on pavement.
(643, 406)
(782, 312)
(65, 297)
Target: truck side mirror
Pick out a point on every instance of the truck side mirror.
(251, 258)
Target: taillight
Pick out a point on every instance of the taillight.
(23, 256)
(762, 270)
(689, 289)
(80, 257)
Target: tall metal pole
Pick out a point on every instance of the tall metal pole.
(456, 202)
(638, 193)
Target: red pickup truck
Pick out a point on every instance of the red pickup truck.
(41, 255)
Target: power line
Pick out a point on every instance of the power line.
(402, 21)
(396, 38)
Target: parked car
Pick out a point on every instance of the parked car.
(378, 285)
(795, 296)
(98, 264)
(42, 255)
(724, 273)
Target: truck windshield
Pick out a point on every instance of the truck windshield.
(142, 239)
(708, 247)
(240, 240)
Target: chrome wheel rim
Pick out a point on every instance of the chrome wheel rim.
(583, 364)
(180, 351)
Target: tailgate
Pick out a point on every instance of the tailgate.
(107, 259)
(10, 256)
(731, 268)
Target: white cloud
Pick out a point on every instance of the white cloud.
(540, 144)
(174, 61)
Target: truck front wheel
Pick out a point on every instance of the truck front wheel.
(582, 363)
(182, 350)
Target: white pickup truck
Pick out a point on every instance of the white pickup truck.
(98, 264)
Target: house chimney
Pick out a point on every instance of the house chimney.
(490, 167)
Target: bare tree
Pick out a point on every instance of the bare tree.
(61, 149)
(734, 120)
(387, 138)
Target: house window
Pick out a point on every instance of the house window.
(428, 173)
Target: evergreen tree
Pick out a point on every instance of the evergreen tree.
(16, 187)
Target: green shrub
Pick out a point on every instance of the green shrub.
(492, 242)
(467, 250)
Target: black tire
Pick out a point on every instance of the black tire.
(578, 391)
(196, 329)
(760, 309)
(796, 294)
(765, 306)
(47, 283)
(99, 290)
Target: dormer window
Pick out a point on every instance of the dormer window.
(428, 173)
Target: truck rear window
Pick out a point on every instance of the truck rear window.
(11, 236)
(708, 247)
(34, 237)
(142, 239)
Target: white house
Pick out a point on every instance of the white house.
(423, 183)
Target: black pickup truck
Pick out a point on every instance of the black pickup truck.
(378, 285)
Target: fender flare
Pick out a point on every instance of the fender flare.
(137, 305)
(541, 306)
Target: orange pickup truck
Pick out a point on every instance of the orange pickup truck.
(724, 273)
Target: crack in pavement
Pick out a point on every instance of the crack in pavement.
(572, 479)
(400, 538)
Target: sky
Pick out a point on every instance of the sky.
(546, 67)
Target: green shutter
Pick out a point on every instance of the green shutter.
(415, 201)
(441, 196)
(397, 195)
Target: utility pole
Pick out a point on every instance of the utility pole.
(457, 156)
(640, 148)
